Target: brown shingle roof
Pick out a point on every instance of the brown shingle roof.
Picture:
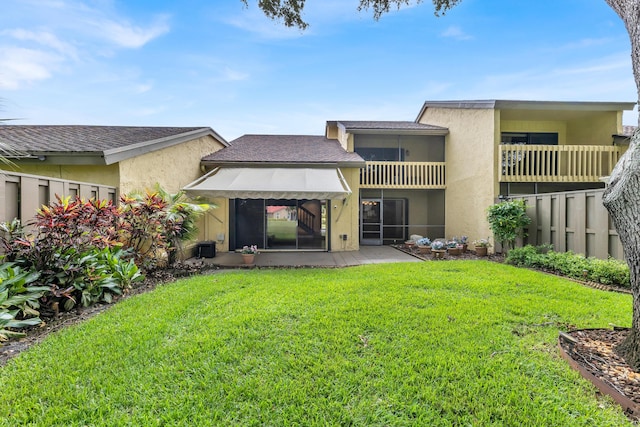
(42, 138)
(283, 149)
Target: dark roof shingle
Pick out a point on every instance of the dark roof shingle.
(44, 138)
(283, 149)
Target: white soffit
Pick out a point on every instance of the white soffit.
(271, 183)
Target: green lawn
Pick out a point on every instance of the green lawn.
(417, 344)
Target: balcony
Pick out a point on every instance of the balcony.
(407, 175)
(556, 163)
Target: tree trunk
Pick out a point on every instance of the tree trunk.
(622, 196)
(622, 200)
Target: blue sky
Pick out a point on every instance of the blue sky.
(215, 63)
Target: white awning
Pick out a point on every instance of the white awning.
(271, 183)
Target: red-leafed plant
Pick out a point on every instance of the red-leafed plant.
(75, 224)
(143, 228)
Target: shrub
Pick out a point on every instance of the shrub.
(82, 277)
(184, 215)
(155, 223)
(610, 272)
(577, 266)
(66, 224)
(507, 220)
(19, 299)
(88, 251)
(145, 228)
(76, 251)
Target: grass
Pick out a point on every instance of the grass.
(282, 229)
(434, 343)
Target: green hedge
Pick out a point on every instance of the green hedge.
(577, 266)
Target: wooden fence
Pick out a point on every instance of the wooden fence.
(574, 220)
(21, 194)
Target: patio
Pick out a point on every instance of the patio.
(366, 255)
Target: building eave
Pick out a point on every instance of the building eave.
(500, 104)
(340, 164)
(418, 132)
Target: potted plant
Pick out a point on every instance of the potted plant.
(249, 254)
(424, 245)
(463, 242)
(482, 246)
(453, 248)
(438, 248)
(410, 243)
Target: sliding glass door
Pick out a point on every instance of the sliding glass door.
(280, 223)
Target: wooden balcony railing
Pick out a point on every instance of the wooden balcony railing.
(403, 175)
(556, 163)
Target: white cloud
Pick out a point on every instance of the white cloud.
(232, 75)
(143, 87)
(43, 38)
(24, 66)
(60, 31)
(608, 79)
(128, 35)
(587, 43)
(455, 32)
(254, 21)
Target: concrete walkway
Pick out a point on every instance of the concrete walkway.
(366, 255)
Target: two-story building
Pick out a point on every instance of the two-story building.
(378, 182)
(361, 183)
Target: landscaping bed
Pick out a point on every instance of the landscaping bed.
(591, 352)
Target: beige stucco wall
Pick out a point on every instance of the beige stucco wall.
(106, 175)
(215, 225)
(589, 129)
(172, 167)
(471, 174)
(597, 129)
(345, 215)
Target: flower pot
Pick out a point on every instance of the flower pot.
(424, 250)
(454, 251)
(438, 253)
(248, 259)
(464, 248)
(481, 250)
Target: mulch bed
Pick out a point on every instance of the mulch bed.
(591, 352)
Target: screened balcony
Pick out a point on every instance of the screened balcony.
(556, 163)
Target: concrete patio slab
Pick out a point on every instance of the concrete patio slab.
(366, 255)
